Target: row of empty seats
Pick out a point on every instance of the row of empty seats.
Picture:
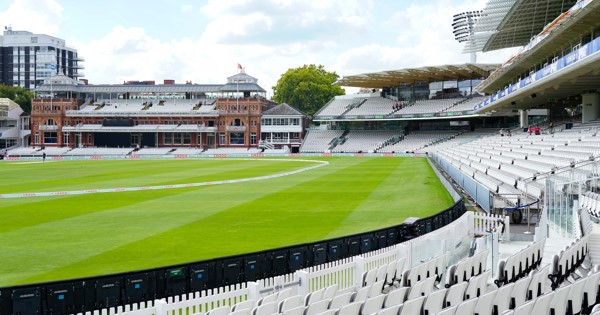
(319, 140)
(365, 140)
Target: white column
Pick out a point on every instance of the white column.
(523, 118)
(590, 107)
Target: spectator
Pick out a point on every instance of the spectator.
(551, 127)
(537, 129)
(530, 130)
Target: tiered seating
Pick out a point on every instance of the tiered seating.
(465, 105)
(22, 151)
(429, 106)
(373, 106)
(100, 151)
(52, 151)
(365, 140)
(153, 151)
(522, 158)
(520, 264)
(319, 140)
(418, 140)
(466, 269)
(232, 151)
(338, 106)
(590, 201)
(568, 261)
(187, 151)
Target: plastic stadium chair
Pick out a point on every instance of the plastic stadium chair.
(524, 309)
(559, 302)
(381, 273)
(340, 300)
(241, 312)
(467, 307)
(246, 305)
(268, 299)
(503, 298)
(362, 294)
(455, 294)
(575, 297)
(390, 310)
(485, 303)
(265, 309)
(376, 288)
(294, 311)
(422, 288)
(448, 311)
(328, 312)
(223, 310)
(372, 305)
(289, 303)
(434, 302)
(314, 297)
(317, 307)
(330, 292)
(519, 292)
(284, 294)
(590, 289)
(542, 303)
(412, 306)
(351, 309)
(396, 297)
(369, 277)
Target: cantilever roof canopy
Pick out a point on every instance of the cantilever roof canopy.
(393, 78)
(512, 23)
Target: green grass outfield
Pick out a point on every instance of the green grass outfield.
(62, 237)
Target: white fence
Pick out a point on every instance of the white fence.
(346, 273)
(487, 223)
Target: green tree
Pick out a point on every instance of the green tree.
(17, 94)
(307, 88)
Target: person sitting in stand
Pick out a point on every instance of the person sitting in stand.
(537, 129)
(530, 130)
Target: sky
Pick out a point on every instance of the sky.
(204, 41)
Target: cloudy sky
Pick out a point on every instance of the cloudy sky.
(203, 41)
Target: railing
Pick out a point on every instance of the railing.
(346, 273)
(585, 51)
(396, 116)
(487, 223)
(111, 291)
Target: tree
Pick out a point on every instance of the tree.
(18, 95)
(307, 88)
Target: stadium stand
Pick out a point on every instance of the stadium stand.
(365, 140)
(320, 140)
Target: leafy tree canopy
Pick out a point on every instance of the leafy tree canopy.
(18, 95)
(307, 88)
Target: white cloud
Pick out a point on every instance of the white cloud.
(37, 16)
(266, 36)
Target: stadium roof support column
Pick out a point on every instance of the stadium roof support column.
(590, 107)
(523, 118)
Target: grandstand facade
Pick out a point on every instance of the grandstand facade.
(67, 113)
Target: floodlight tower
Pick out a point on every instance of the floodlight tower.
(463, 24)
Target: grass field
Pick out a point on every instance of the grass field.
(51, 238)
